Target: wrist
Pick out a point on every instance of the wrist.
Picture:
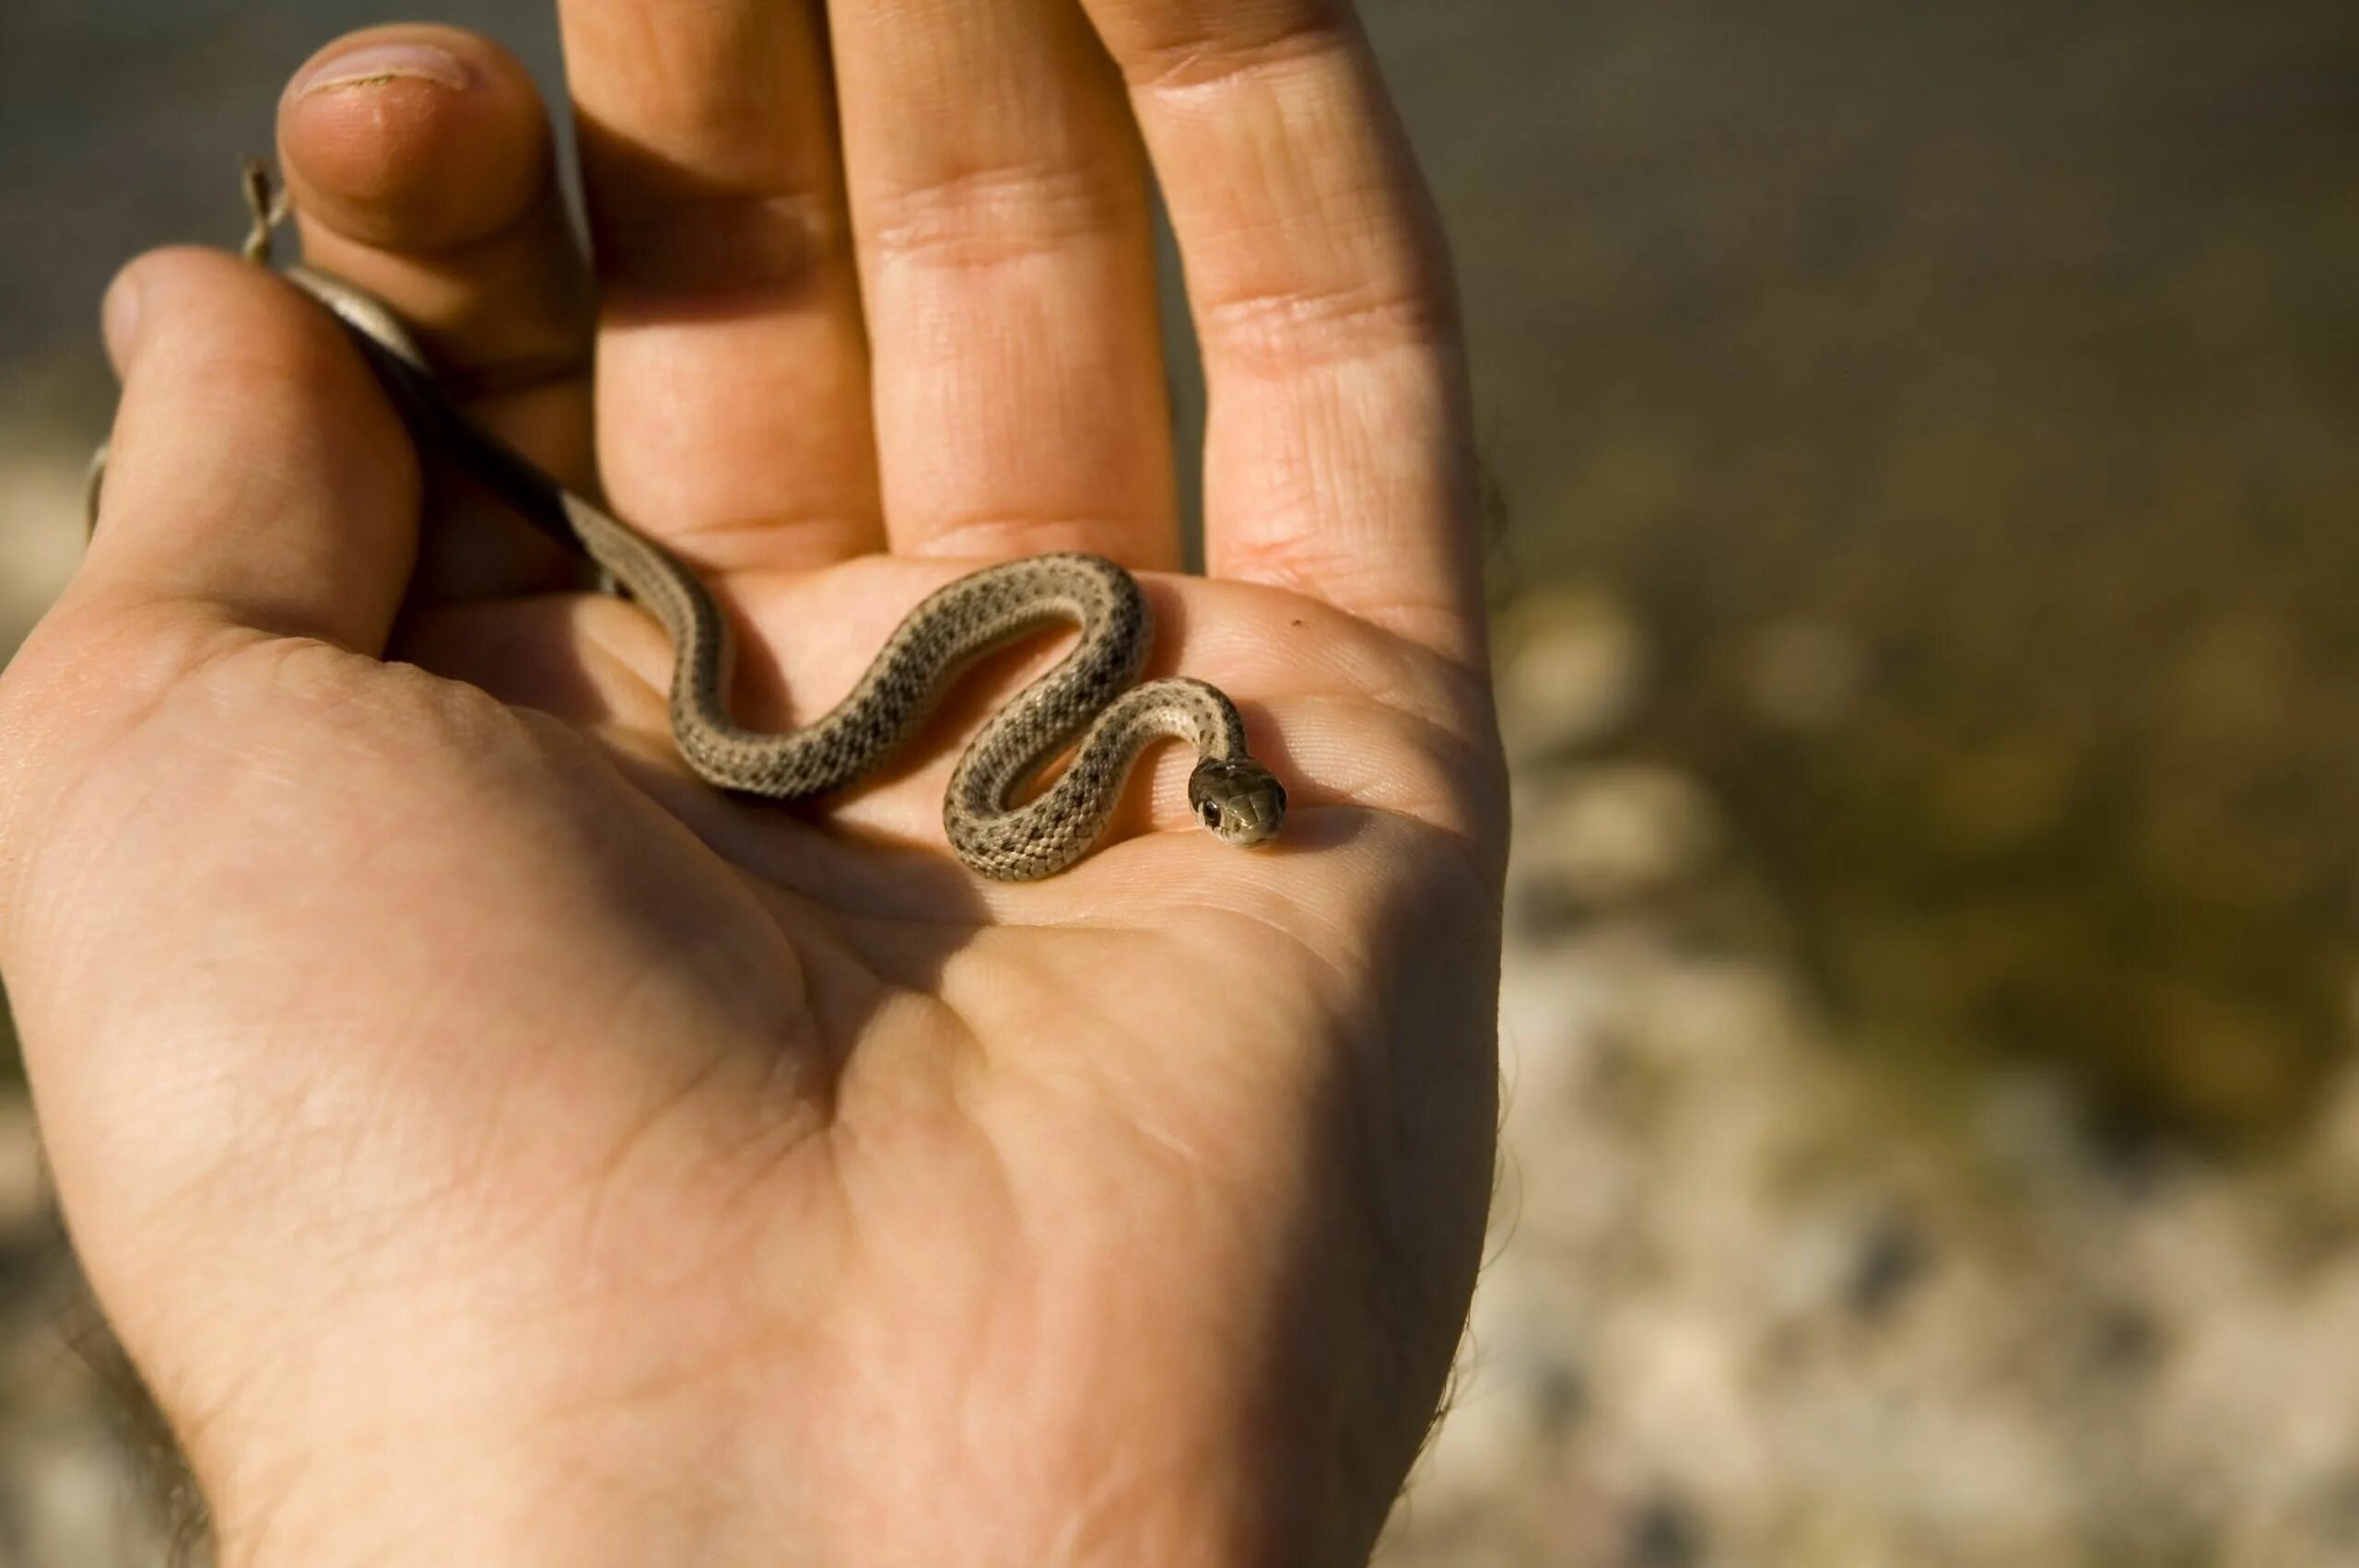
(432, 1504)
(429, 1502)
(453, 1505)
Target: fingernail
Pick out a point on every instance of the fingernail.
(119, 318)
(373, 62)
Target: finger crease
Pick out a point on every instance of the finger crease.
(1198, 62)
(992, 215)
(757, 541)
(997, 535)
(1285, 330)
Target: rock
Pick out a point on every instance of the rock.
(1808, 674)
(1611, 833)
(1572, 667)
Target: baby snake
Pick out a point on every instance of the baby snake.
(1088, 693)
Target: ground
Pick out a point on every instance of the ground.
(1920, 437)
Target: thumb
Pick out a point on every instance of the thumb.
(256, 478)
(258, 487)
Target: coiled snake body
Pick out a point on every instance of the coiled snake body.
(1088, 693)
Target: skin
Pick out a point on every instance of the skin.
(494, 1147)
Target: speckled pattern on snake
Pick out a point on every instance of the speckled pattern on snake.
(1088, 693)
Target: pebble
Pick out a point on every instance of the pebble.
(1572, 670)
(1610, 833)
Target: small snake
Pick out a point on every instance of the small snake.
(1087, 694)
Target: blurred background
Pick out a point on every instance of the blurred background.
(1925, 498)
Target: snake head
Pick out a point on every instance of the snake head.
(1237, 799)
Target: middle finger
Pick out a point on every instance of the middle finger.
(1000, 199)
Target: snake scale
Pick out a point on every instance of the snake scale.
(1089, 694)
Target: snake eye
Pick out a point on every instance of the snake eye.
(1212, 813)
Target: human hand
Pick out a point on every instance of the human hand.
(494, 1146)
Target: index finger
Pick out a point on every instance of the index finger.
(1339, 449)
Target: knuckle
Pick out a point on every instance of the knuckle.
(1198, 55)
(1299, 326)
(988, 215)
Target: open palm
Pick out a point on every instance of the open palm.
(494, 1145)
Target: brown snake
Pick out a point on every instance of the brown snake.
(1087, 694)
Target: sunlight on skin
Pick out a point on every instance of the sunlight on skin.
(494, 1146)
